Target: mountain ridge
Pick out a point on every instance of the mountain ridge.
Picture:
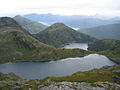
(31, 26)
(59, 34)
(18, 45)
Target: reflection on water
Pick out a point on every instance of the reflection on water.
(56, 68)
(76, 45)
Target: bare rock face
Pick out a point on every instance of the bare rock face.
(79, 86)
(116, 71)
(70, 86)
(16, 85)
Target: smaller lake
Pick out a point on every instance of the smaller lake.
(63, 67)
(76, 45)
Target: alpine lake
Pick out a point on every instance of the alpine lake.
(63, 67)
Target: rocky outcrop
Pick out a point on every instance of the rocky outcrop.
(70, 86)
(95, 82)
(16, 85)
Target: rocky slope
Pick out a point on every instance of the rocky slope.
(59, 34)
(9, 77)
(21, 85)
(31, 26)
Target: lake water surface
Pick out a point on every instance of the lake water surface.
(62, 67)
(76, 45)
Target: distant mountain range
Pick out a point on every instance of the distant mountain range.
(59, 34)
(76, 21)
(111, 31)
(31, 26)
(16, 44)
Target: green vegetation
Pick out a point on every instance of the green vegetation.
(18, 45)
(107, 47)
(113, 53)
(59, 34)
(9, 77)
(93, 76)
(31, 26)
(6, 21)
(103, 44)
(111, 31)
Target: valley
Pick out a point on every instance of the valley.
(60, 45)
(55, 56)
(19, 45)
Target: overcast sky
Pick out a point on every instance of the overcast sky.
(63, 7)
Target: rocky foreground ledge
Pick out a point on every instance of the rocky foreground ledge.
(22, 85)
(106, 78)
(79, 86)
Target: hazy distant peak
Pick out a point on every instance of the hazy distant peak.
(31, 26)
(18, 16)
(76, 21)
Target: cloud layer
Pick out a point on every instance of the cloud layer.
(63, 7)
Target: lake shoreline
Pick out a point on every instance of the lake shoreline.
(37, 61)
(77, 47)
(62, 67)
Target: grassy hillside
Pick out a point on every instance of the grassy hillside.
(113, 53)
(103, 44)
(18, 45)
(9, 77)
(95, 77)
(59, 34)
(31, 26)
(111, 31)
(107, 47)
